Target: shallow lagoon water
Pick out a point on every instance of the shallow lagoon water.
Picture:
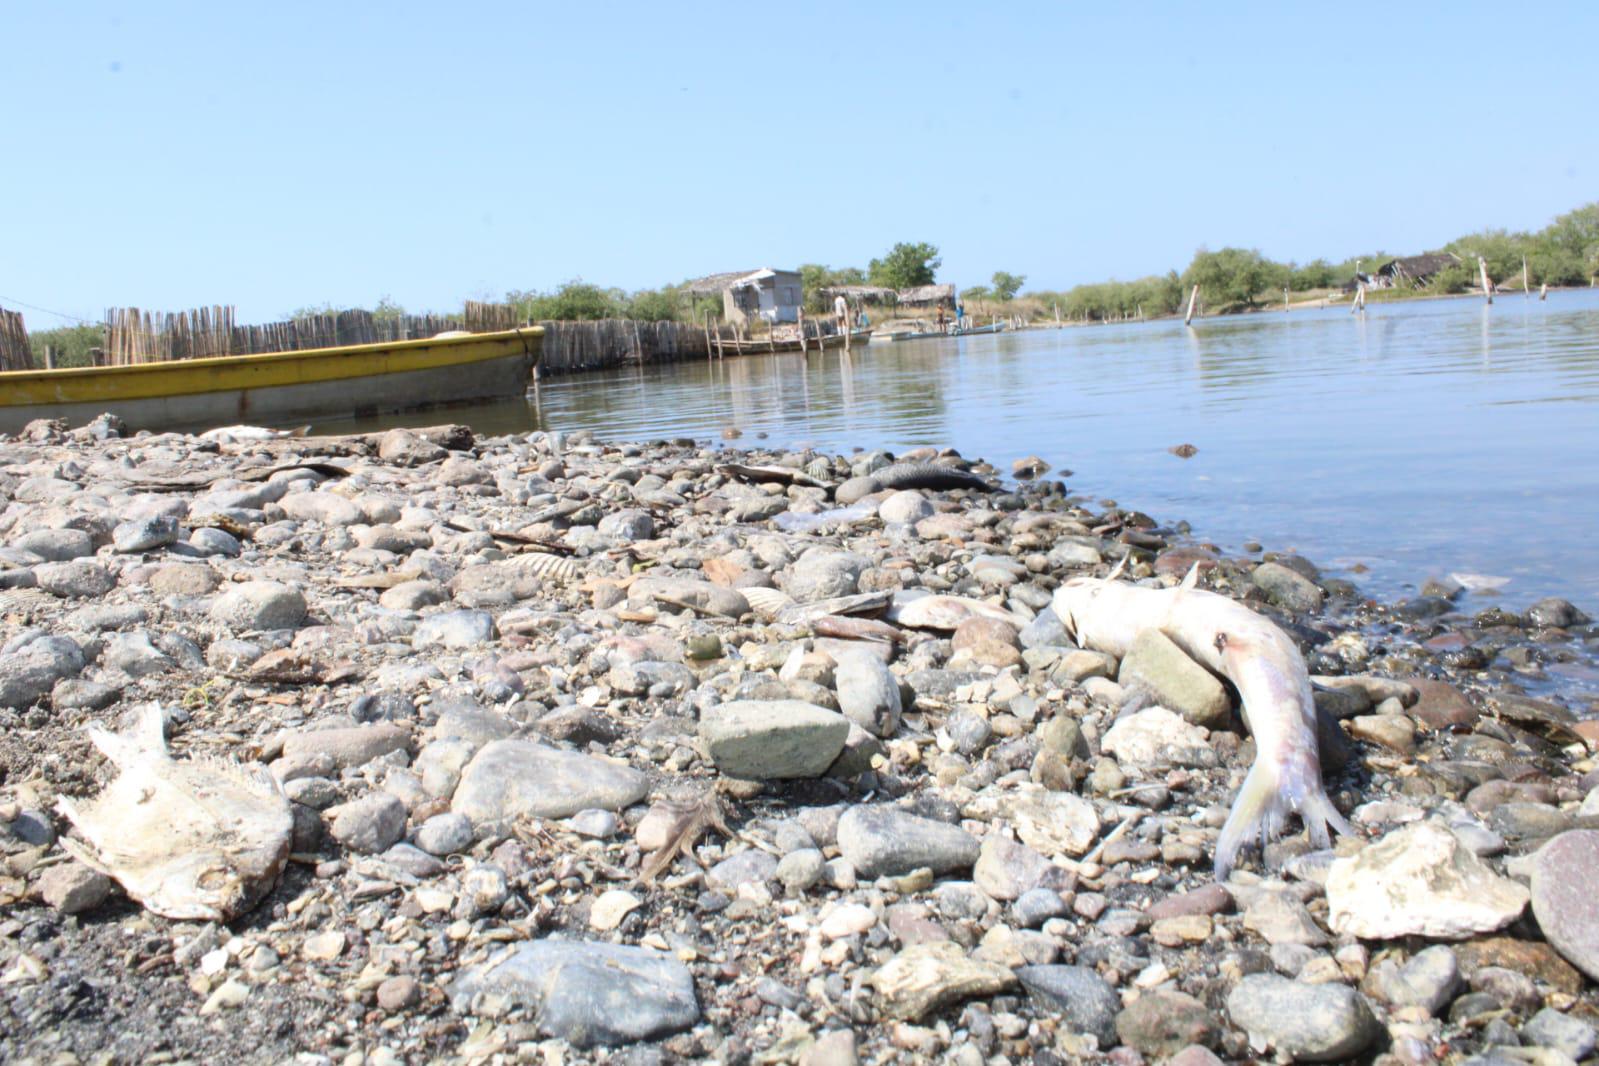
(1416, 440)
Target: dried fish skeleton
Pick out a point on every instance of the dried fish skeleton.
(1262, 663)
(198, 838)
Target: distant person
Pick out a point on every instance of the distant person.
(941, 318)
(841, 312)
(960, 317)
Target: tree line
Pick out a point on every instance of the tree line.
(1565, 252)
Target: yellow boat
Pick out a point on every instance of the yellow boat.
(361, 379)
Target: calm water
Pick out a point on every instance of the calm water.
(1418, 440)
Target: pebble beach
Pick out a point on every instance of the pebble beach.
(606, 751)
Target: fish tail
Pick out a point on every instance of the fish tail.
(1272, 790)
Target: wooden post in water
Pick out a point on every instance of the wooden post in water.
(1543, 291)
(800, 316)
(1525, 291)
(1487, 286)
(1360, 298)
(1285, 299)
(1193, 299)
(1057, 314)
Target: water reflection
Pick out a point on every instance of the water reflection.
(1415, 439)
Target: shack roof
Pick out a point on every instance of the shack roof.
(1418, 266)
(927, 294)
(859, 292)
(733, 279)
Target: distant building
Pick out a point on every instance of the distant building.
(1415, 270)
(773, 295)
(927, 297)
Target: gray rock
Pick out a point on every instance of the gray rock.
(906, 507)
(594, 824)
(800, 869)
(629, 524)
(1311, 1023)
(1044, 631)
(588, 993)
(1429, 979)
(404, 448)
(28, 673)
(928, 976)
(1570, 1036)
(763, 740)
(519, 778)
(454, 629)
(73, 888)
(349, 746)
(370, 824)
(1564, 873)
(133, 654)
(1038, 905)
(821, 574)
(868, 694)
(1082, 999)
(78, 694)
(57, 545)
(1005, 869)
(413, 595)
(1177, 683)
(75, 579)
(1160, 1023)
(652, 678)
(328, 508)
(209, 541)
(144, 534)
(260, 605)
(233, 657)
(318, 793)
(1555, 612)
(671, 591)
(98, 617)
(881, 841)
(749, 866)
(445, 834)
(1287, 588)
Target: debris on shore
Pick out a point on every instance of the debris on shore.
(602, 751)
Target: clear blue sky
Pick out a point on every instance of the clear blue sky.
(282, 155)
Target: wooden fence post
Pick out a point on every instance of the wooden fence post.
(1193, 299)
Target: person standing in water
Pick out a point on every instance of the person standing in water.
(841, 312)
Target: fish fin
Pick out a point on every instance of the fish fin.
(146, 737)
(1191, 579)
(299, 431)
(1271, 791)
(1116, 571)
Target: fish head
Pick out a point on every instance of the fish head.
(206, 885)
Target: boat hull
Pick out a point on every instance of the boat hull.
(280, 387)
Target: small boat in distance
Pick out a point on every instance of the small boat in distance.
(298, 386)
(994, 327)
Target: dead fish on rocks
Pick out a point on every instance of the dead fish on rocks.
(774, 605)
(201, 839)
(912, 476)
(1262, 662)
(777, 475)
(246, 434)
(946, 612)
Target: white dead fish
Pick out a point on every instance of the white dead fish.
(946, 612)
(1259, 659)
(199, 838)
(1479, 582)
(246, 434)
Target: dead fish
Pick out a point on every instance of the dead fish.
(548, 566)
(844, 628)
(243, 434)
(767, 603)
(1260, 660)
(201, 839)
(947, 612)
(778, 475)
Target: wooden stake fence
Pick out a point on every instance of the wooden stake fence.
(15, 351)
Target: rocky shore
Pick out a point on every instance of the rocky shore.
(608, 752)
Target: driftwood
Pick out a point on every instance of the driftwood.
(453, 438)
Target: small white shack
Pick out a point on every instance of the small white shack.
(773, 295)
